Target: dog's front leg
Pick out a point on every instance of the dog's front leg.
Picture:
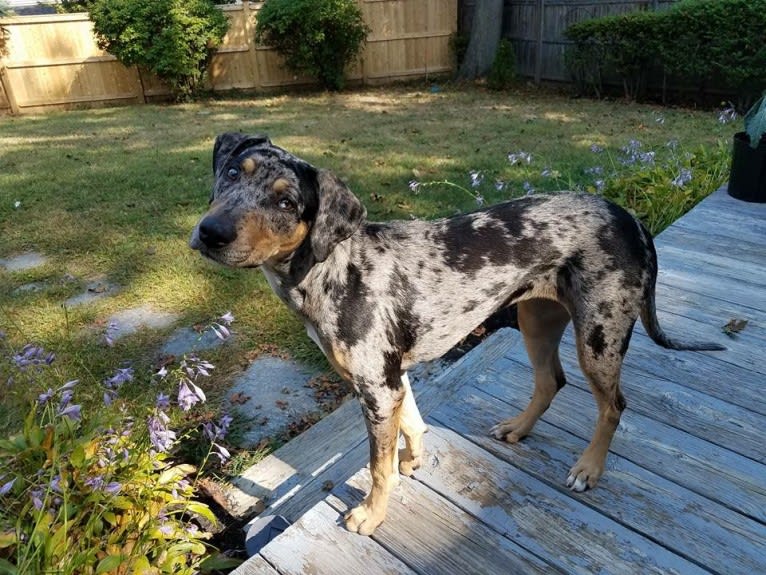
(381, 405)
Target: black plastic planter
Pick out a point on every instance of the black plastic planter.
(747, 180)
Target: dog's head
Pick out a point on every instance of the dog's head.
(266, 203)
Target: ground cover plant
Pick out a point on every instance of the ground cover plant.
(115, 192)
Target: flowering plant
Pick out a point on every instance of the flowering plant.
(95, 491)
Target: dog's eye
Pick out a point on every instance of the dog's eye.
(233, 173)
(285, 204)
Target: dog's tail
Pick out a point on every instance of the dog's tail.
(652, 326)
(649, 313)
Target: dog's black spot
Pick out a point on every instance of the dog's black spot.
(569, 273)
(403, 329)
(626, 340)
(392, 365)
(623, 245)
(467, 247)
(369, 401)
(605, 309)
(561, 380)
(620, 402)
(470, 305)
(596, 340)
(355, 307)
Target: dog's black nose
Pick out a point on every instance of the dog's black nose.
(217, 232)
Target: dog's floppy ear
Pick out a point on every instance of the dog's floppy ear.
(231, 143)
(338, 216)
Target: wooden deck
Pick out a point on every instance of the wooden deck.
(685, 486)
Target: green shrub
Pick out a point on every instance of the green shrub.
(315, 37)
(698, 44)
(503, 70)
(172, 38)
(86, 491)
(458, 45)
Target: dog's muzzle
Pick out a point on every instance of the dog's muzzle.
(213, 233)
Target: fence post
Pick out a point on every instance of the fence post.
(540, 7)
(8, 89)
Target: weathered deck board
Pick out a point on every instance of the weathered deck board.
(703, 467)
(684, 522)
(435, 535)
(309, 547)
(685, 485)
(545, 521)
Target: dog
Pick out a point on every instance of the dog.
(380, 297)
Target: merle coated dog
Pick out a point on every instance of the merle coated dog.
(379, 297)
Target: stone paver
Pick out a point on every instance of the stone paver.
(95, 289)
(271, 394)
(23, 262)
(130, 320)
(185, 340)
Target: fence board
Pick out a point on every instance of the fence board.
(54, 61)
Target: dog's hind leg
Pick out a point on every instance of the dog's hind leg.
(600, 349)
(542, 323)
(413, 427)
(382, 406)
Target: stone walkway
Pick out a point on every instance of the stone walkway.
(272, 396)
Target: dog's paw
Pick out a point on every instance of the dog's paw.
(408, 463)
(362, 520)
(584, 475)
(512, 430)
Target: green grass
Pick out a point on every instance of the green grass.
(115, 193)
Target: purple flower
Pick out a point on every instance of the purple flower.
(594, 171)
(499, 185)
(112, 488)
(189, 394)
(683, 178)
(66, 397)
(162, 372)
(36, 495)
(121, 375)
(163, 401)
(95, 482)
(546, 173)
(73, 412)
(727, 115)
(109, 333)
(479, 200)
(646, 158)
(161, 437)
(6, 487)
(222, 453)
(221, 331)
(227, 318)
(44, 398)
(215, 432)
(109, 396)
(414, 186)
(519, 158)
(32, 355)
(599, 185)
(596, 149)
(69, 385)
(55, 484)
(528, 188)
(476, 178)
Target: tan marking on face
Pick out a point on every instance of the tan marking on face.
(249, 165)
(267, 245)
(281, 185)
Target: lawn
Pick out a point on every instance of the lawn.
(114, 193)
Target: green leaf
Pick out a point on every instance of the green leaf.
(219, 562)
(202, 510)
(109, 563)
(7, 568)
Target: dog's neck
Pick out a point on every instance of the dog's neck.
(295, 278)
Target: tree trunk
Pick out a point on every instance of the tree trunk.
(486, 29)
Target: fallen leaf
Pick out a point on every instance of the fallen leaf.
(239, 398)
(327, 485)
(734, 327)
(281, 404)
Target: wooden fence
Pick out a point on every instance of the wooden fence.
(536, 29)
(53, 60)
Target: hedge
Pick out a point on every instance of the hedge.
(695, 45)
